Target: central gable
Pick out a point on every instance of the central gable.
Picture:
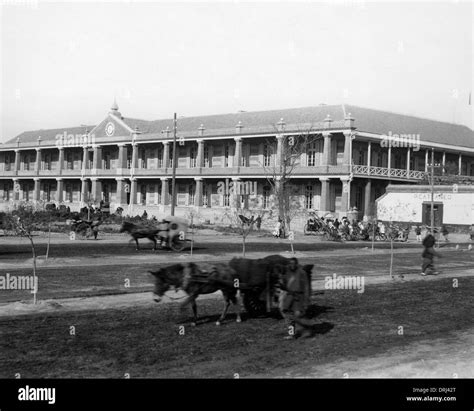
(111, 127)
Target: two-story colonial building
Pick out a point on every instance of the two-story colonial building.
(351, 158)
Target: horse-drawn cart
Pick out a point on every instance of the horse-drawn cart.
(175, 233)
(170, 232)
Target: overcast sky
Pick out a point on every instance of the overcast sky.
(63, 64)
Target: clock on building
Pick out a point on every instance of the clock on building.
(110, 129)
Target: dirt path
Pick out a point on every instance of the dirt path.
(450, 357)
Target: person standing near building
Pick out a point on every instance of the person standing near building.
(418, 233)
(294, 300)
(428, 255)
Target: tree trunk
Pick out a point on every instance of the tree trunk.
(33, 250)
(49, 238)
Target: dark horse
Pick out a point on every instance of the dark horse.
(140, 232)
(195, 281)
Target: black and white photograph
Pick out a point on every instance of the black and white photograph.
(237, 190)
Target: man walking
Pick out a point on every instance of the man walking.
(428, 255)
(294, 300)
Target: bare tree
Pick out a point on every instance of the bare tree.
(22, 221)
(286, 156)
(246, 219)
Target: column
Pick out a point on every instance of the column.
(347, 148)
(327, 155)
(37, 191)
(134, 164)
(234, 200)
(164, 191)
(279, 152)
(61, 160)
(325, 194)
(96, 188)
(17, 160)
(16, 189)
(346, 185)
(122, 157)
(238, 152)
(97, 162)
(460, 164)
(84, 190)
(198, 193)
(367, 198)
(389, 165)
(85, 152)
(200, 154)
(121, 197)
(444, 162)
(408, 161)
(166, 154)
(369, 156)
(426, 160)
(133, 191)
(38, 160)
(59, 189)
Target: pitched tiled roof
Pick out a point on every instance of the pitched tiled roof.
(383, 122)
(49, 135)
(369, 120)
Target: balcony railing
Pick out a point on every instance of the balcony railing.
(388, 172)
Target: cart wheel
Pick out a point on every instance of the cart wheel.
(252, 303)
(177, 245)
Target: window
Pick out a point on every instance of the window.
(267, 155)
(308, 197)
(143, 194)
(26, 163)
(142, 158)
(160, 157)
(266, 197)
(47, 162)
(69, 193)
(226, 155)
(191, 193)
(226, 200)
(207, 162)
(70, 161)
(7, 162)
(359, 195)
(6, 192)
(192, 156)
(171, 157)
(106, 160)
(311, 154)
(129, 159)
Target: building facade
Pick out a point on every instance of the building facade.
(452, 205)
(348, 162)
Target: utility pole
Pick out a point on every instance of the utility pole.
(432, 191)
(173, 180)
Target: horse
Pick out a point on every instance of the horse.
(140, 232)
(195, 281)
